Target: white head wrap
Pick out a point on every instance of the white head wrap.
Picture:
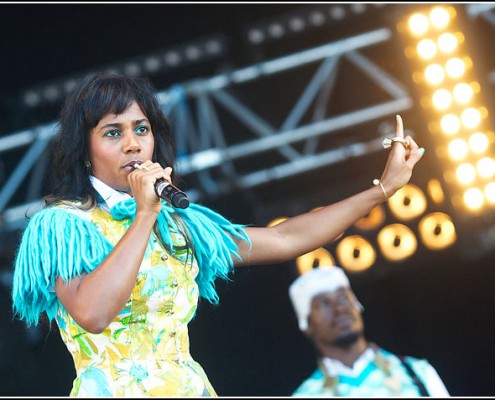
(311, 283)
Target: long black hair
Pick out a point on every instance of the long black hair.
(95, 96)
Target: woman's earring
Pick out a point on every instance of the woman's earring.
(87, 164)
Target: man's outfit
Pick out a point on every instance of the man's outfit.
(376, 373)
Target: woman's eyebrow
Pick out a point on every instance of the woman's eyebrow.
(118, 124)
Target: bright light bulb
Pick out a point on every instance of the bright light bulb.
(463, 93)
(470, 118)
(478, 142)
(434, 73)
(442, 99)
(458, 149)
(490, 192)
(486, 167)
(473, 198)
(447, 42)
(439, 17)
(465, 173)
(455, 67)
(418, 24)
(426, 48)
(450, 124)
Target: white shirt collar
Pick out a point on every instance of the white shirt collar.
(110, 196)
(335, 367)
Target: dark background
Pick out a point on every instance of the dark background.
(437, 305)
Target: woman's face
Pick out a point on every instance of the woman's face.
(117, 142)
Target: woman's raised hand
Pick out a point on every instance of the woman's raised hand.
(404, 154)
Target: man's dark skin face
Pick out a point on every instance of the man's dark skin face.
(335, 321)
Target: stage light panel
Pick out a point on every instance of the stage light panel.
(449, 93)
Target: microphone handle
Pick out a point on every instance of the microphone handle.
(169, 192)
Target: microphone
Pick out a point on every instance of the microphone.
(166, 191)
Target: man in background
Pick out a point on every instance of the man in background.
(329, 314)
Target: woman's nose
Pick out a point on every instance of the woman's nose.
(131, 143)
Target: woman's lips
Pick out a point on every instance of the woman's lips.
(128, 166)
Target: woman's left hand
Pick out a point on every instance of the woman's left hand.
(401, 160)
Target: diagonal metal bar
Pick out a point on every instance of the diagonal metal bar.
(204, 118)
(213, 157)
(318, 81)
(36, 181)
(218, 137)
(320, 109)
(253, 121)
(387, 82)
(29, 159)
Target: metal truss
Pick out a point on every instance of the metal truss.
(204, 148)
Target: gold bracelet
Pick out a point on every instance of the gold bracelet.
(377, 182)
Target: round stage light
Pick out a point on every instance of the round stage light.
(373, 220)
(314, 259)
(408, 202)
(437, 231)
(355, 253)
(397, 242)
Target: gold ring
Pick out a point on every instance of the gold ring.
(387, 142)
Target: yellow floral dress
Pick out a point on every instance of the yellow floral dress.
(145, 349)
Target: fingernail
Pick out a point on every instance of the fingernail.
(421, 151)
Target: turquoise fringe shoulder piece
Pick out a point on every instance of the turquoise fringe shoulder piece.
(212, 246)
(211, 235)
(55, 243)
